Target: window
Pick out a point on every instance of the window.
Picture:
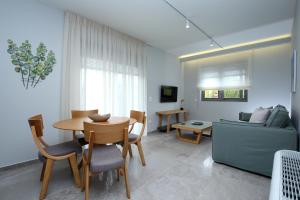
(225, 95)
(112, 88)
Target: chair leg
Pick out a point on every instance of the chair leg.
(118, 174)
(130, 150)
(83, 177)
(48, 170)
(43, 171)
(80, 164)
(74, 136)
(73, 163)
(139, 145)
(126, 181)
(87, 182)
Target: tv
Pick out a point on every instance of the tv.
(168, 93)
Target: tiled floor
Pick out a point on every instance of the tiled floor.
(174, 170)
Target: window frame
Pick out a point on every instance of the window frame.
(222, 99)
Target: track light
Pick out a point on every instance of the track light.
(195, 26)
(211, 43)
(187, 24)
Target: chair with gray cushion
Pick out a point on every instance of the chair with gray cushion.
(102, 153)
(48, 154)
(136, 139)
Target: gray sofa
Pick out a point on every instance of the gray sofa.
(250, 146)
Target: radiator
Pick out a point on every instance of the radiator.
(285, 183)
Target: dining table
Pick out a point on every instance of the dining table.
(76, 124)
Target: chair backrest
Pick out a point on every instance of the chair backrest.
(140, 118)
(138, 115)
(83, 113)
(106, 133)
(37, 122)
(36, 125)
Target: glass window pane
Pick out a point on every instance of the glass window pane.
(231, 93)
(212, 94)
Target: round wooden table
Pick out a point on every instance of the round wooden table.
(76, 124)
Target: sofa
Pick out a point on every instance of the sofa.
(251, 146)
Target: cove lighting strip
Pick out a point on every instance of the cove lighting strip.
(236, 46)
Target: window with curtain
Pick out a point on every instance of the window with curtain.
(111, 91)
(225, 77)
(102, 68)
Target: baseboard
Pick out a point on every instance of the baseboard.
(17, 165)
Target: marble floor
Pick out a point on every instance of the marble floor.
(174, 170)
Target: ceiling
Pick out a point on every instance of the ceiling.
(154, 22)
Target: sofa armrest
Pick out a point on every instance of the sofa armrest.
(244, 116)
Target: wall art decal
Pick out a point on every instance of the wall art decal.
(32, 68)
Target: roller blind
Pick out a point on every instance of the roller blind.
(224, 71)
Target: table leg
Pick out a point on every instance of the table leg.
(185, 115)
(168, 123)
(198, 137)
(159, 121)
(177, 117)
(179, 136)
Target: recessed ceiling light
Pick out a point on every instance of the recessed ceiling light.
(187, 24)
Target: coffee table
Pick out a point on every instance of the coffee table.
(196, 129)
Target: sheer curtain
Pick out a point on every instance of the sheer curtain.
(102, 68)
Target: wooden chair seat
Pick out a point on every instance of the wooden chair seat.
(105, 157)
(61, 149)
(132, 137)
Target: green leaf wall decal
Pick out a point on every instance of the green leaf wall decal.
(33, 68)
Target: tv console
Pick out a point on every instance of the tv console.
(168, 114)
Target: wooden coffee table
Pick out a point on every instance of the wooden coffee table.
(196, 129)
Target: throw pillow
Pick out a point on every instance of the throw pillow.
(278, 118)
(260, 115)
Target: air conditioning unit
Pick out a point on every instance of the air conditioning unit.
(285, 184)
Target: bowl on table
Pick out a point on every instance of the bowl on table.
(99, 118)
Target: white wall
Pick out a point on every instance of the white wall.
(271, 78)
(162, 69)
(27, 20)
(296, 45)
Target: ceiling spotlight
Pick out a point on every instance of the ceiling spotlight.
(187, 24)
(211, 43)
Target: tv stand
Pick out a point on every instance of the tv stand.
(168, 114)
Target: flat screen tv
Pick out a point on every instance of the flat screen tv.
(168, 93)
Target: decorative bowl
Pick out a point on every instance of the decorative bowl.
(99, 118)
(197, 123)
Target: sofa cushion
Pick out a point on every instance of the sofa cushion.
(278, 118)
(260, 115)
(241, 123)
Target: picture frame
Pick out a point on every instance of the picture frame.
(294, 71)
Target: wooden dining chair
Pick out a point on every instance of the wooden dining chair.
(134, 138)
(79, 114)
(48, 154)
(101, 157)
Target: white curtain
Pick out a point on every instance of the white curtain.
(224, 71)
(102, 68)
